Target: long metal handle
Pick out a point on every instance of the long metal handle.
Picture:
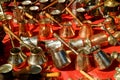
(73, 16)
(49, 16)
(59, 38)
(50, 5)
(72, 1)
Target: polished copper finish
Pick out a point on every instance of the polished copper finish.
(84, 62)
(60, 58)
(23, 29)
(86, 30)
(45, 30)
(67, 30)
(117, 35)
(99, 39)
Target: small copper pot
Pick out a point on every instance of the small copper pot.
(86, 30)
(99, 39)
(85, 62)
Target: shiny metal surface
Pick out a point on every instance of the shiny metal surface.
(86, 30)
(84, 62)
(55, 12)
(34, 8)
(67, 30)
(76, 43)
(43, 1)
(111, 3)
(5, 68)
(103, 60)
(109, 24)
(16, 57)
(60, 58)
(61, 1)
(26, 2)
(53, 44)
(37, 57)
(58, 54)
(31, 41)
(35, 69)
(99, 39)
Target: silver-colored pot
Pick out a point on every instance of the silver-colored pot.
(37, 57)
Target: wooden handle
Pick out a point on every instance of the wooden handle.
(49, 16)
(73, 16)
(53, 74)
(31, 17)
(86, 75)
(68, 5)
(50, 5)
(95, 7)
(11, 33)
(60, 39)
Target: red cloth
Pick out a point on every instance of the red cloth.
(70, 72)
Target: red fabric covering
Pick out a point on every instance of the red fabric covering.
(69, 71)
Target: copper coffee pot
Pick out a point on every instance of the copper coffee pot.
(84, 61)
(67, 30)
(45, 28)
(86, 30)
